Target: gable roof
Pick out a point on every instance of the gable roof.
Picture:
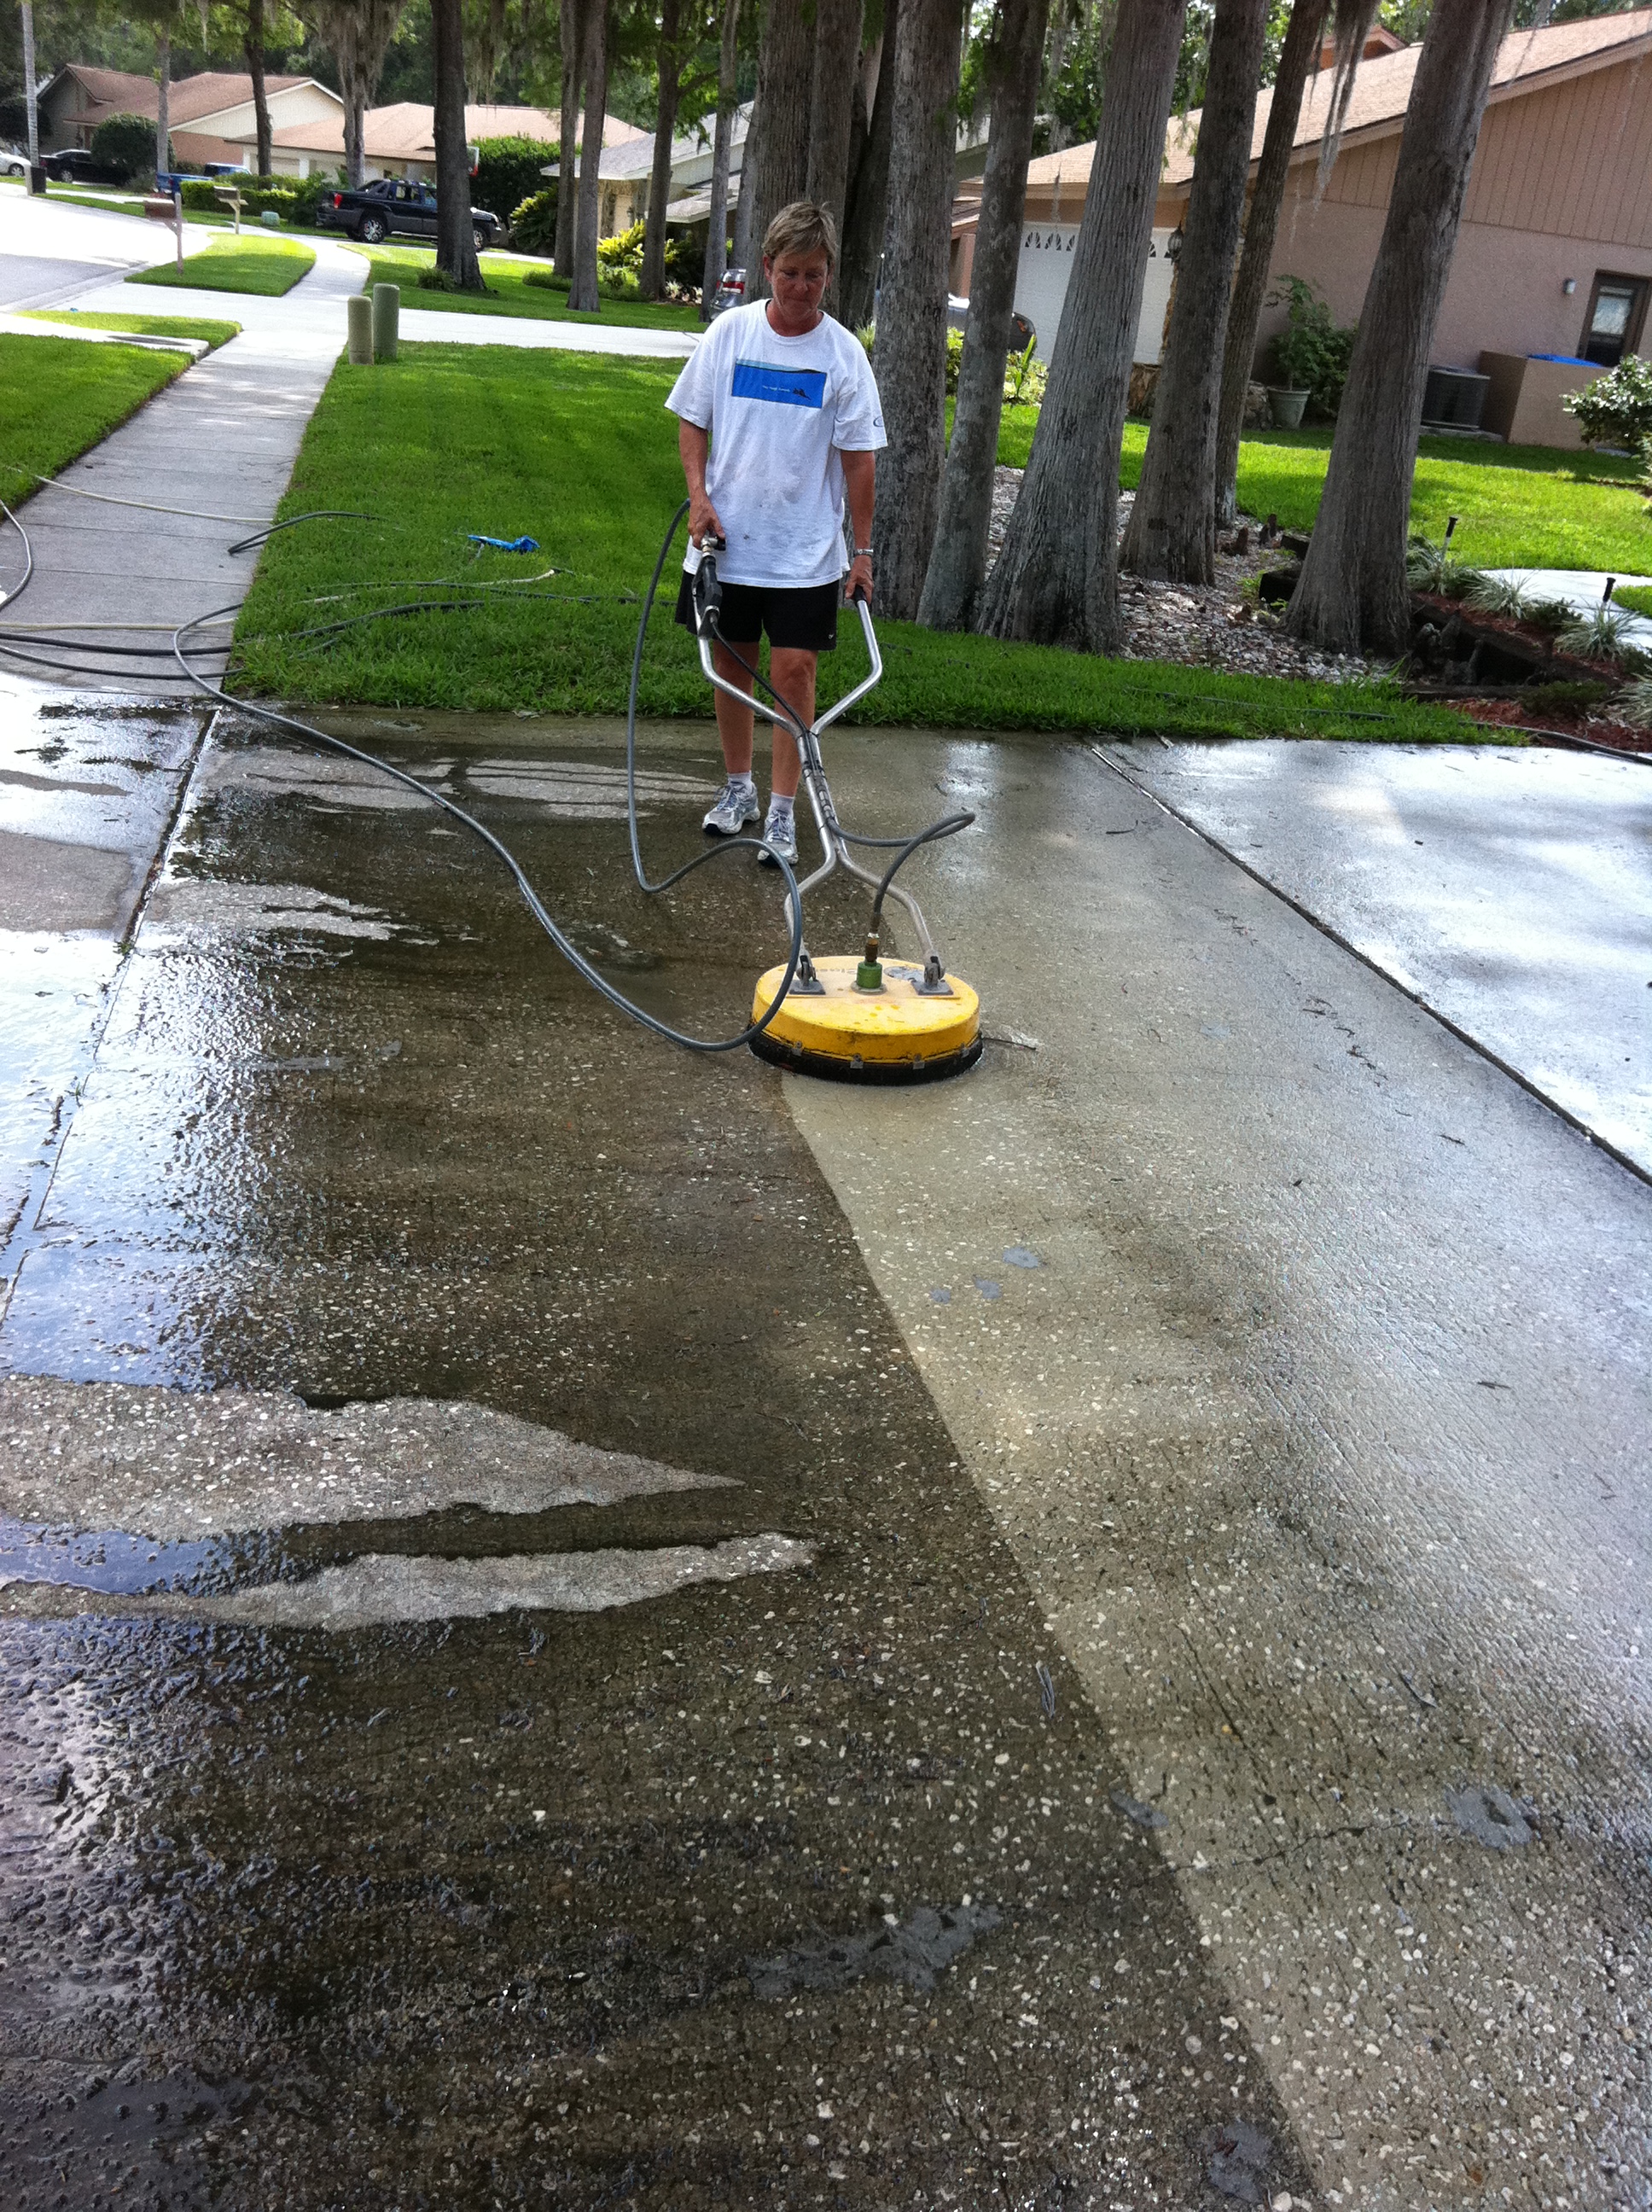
(406, 131)
(1526, 62)
(121, 92)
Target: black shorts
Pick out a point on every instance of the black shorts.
(802, 617)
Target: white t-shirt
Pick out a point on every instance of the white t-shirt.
(780, 410)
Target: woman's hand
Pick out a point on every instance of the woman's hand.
(858, 583)
(704, 521)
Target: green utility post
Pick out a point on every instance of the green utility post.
(359, 309)
(386, 316)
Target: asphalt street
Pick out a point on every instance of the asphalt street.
(586, 1625)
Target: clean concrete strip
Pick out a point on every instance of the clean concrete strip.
(1301, 1358)
(1508, 889)
(27, 327)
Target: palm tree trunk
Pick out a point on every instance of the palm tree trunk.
(786, 62)
(670, 71)
(1297, 59)
(1056, 579)
(583, 296)
(254, 44)
(572, 28)
(957, 566)
(745, 204)
(865, 215)
(1353, 597)
(837, 49)
(1172, 528)
(912, 310)
(722, 156)
(455, 233)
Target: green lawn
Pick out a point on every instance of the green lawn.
(58, 397)
(579, 452)
(1636, 596)
(247, 264)
(508, 293)
(143, 326)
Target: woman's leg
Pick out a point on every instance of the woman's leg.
(791, 672)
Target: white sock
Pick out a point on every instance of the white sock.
(746, 782)
(779, 810)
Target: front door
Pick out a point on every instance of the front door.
(1616, 312)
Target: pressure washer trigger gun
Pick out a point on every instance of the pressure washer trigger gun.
(700, 564)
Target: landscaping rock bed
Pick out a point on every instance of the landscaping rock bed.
(1220, 625)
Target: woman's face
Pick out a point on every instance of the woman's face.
(796, 280)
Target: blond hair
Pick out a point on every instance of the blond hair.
(802, 228)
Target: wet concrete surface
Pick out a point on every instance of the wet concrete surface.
(1511, 889)
(378, 1243)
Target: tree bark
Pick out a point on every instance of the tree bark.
(572, 30)
(670, 72)
(1172, 528)
(912, 311)
(583, 296)
(957, 565)
(786, 62)
(253, 46)
(456, 255)
(865, 216)
(745, 204)
(162, 100)
(1352, 597)
(722, 156)
(1056, 579)
(1297, 60)
(837, 49)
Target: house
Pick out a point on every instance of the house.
(627, 174)
(400, 141)
(1553, 263)
(210, 115)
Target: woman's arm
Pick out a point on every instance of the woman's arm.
(859, 471)
(694, 444)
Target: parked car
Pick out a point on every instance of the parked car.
(75, 165)
(390, 207)
(14, 162)
(730, 293)
(209, 173)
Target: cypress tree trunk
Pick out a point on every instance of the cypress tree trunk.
(745, 205)
(1353, 595)
(912, 311)
(659, 181)
(583, 296)
(254, 47)
(721, 157)
(455, 233)
(1172, 528)
(162, 99)
(1056, 579)
(1297, 59)
(837, 49)
(786, 63)
(572, 27)
(865, 215)
(957, 566)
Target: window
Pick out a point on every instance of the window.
(1617, 311)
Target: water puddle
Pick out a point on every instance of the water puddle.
(120, 1564)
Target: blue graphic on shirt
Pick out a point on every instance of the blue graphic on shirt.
(786, 387)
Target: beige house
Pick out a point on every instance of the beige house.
(400, 141)
(1554, 256)
(210, 115)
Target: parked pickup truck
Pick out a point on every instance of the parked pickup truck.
(391, 208)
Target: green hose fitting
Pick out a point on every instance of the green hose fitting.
(869, 976)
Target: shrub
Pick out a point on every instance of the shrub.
(508, 173)
(621, 254)
(1604, 634)
(1616, 410)
(292, 199)
(1023, 377)
(1310, 354)
(1498, 595)
(126, 142)
(533, 222)
(547, 279)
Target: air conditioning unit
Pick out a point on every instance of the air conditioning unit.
(1454, 399)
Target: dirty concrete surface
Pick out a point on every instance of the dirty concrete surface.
(583, 1625)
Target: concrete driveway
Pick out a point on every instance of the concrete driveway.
(642, 1628)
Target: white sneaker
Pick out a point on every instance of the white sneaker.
(780, 831)
(735, 804)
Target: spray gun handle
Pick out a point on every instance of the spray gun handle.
(707, 591)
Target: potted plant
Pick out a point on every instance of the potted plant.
(1309, 356)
